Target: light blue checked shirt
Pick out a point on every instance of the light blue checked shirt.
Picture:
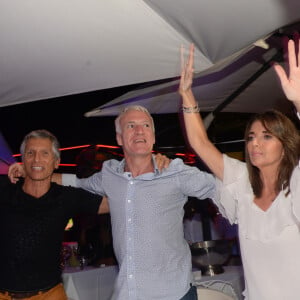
(146, 212)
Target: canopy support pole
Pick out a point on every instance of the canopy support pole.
(210, 117)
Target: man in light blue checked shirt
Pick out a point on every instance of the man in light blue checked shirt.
(146, 208)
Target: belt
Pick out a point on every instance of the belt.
(22, 295)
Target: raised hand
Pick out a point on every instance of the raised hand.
(187, 70)
(291, 82)
(194, 126)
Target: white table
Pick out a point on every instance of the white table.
(97, 283)
(230, 282)
(90, 283)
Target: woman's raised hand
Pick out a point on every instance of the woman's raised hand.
(187, 70)
(290, 81)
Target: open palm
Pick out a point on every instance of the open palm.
(187, 70)
(291, 82)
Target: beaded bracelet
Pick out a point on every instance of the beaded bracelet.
(193, 109)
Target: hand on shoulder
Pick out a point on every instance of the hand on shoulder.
(15, 171)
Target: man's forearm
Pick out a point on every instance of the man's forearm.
(104, 206)
(57, 178)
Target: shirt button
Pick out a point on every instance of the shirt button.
(129, 201)
(130, 276)
(131, 182)
(129, 220)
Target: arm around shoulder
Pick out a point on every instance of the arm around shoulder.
(57, 178)
(104, 206)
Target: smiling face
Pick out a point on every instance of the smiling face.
(39, 159)
(264, 149)
(137, 134)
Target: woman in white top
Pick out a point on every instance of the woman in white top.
(262, 195)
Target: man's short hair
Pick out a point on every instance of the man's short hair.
(134, 108)
(42, 134)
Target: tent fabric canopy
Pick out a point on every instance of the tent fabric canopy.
(62, 47)
(243, 83)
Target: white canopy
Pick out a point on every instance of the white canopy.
(245, 83)
(63, 47)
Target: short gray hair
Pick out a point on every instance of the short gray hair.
(130, 108)
(42, 134)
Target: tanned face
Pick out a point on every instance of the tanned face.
(39, 159)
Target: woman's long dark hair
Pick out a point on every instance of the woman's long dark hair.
(282, 128)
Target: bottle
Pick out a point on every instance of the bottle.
(73, 260)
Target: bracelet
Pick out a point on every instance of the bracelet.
(191, 109)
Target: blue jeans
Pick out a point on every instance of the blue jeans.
(191, 294)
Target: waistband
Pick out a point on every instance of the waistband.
(27, 294)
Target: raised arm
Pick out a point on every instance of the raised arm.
(194, 126)
(291, 82)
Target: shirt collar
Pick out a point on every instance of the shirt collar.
(121, 166)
